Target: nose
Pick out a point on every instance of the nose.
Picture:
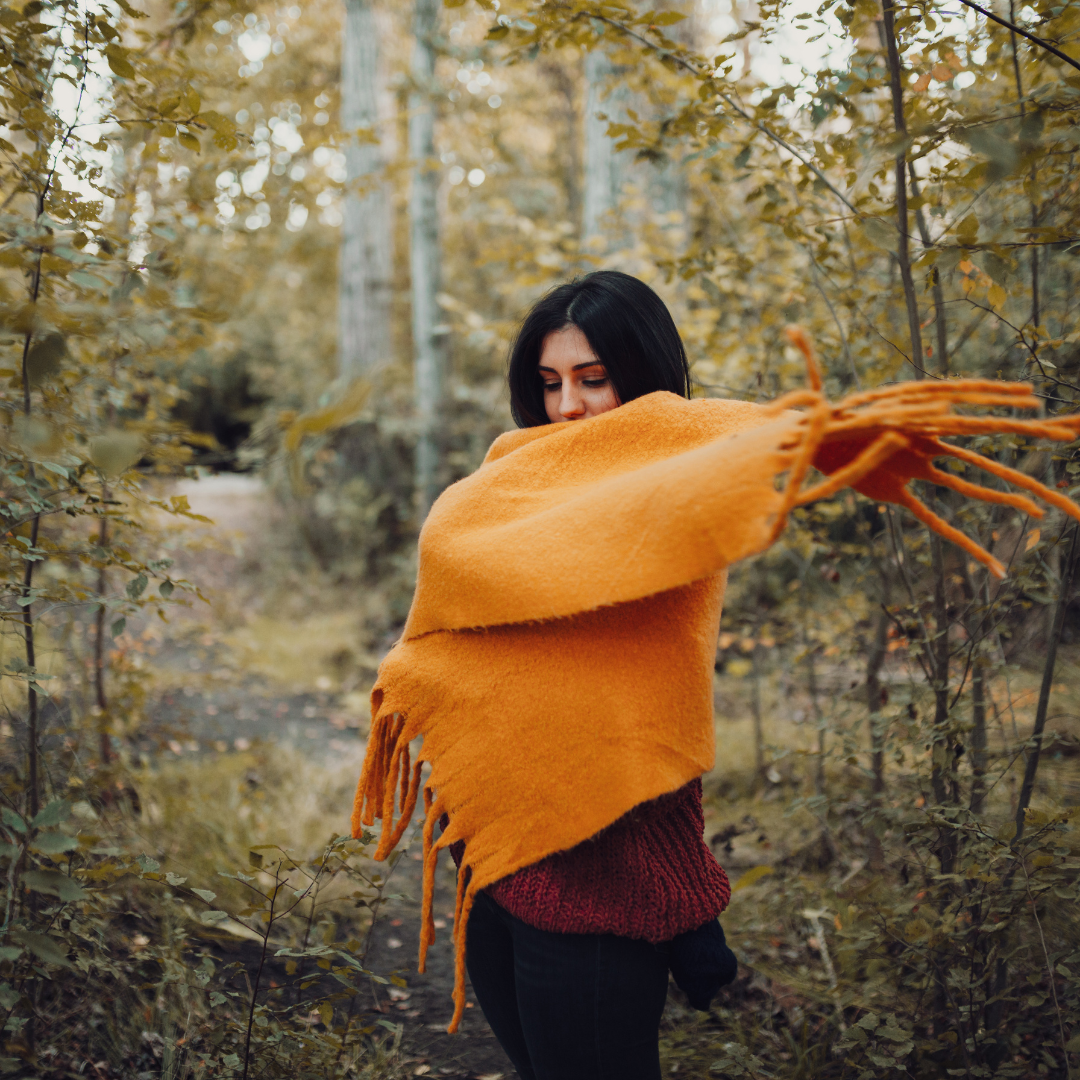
(571, 404)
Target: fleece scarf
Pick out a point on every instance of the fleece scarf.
(557, 659)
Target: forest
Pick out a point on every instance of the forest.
(260, 268)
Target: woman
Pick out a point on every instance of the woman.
(569, 957)
(558, 657)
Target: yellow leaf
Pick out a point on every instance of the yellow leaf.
(187, 140)
(217, 121)
(996, 295)
(916, 929)
(116, 451)
(366, 135)
(333, 416)
(1032, 539)
(118, 62)
(326, 1011)
(753, 875)
(968, 229)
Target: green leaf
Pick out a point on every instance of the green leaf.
(55, 843)
(1073, 1045)
(148, 865)
(53, 883)
(118, 626)
(175, 879)
(166, 589)
(136, 586)
(57, 811)
(212, 918)
(882, 234)
(9, 817)
(44, 947)
(205, 894)
(89, 281)
(45, 357)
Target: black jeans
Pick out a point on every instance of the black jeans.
(567, 1006)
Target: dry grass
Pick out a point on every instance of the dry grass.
(202, 815)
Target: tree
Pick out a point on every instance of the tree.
(364, 283)
(428, 330)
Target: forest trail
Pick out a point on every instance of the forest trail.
(210, 700)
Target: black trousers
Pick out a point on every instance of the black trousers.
(567, 1006)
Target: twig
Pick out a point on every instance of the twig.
(1041, 42)
(1049, 970)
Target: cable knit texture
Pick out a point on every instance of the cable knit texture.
(649, 875)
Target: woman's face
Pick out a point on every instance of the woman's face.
(576, 384)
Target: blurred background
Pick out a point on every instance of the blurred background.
(260, 269)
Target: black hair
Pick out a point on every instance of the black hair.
(628, 327)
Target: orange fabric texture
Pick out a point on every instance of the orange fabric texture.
(557, 659)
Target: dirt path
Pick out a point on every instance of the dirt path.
(243, 671)
(473, 1050)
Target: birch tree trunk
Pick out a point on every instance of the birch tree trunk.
(605, 168)
(365, 272)
(423, 209)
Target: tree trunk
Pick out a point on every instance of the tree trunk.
(875, 660)
(423, 209)
(101, 699)
(365, 272)
(604, 168)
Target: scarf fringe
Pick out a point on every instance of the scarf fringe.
(913, 416)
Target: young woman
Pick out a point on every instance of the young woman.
(569, 957)
(557, 660)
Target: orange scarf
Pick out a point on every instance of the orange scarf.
(558, 656)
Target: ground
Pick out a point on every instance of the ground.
(248, 672)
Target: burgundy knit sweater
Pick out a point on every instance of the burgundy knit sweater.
(649, 876)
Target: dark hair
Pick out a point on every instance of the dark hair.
(628, 327)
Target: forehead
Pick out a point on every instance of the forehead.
(566, 349)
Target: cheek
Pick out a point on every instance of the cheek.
(603, 398)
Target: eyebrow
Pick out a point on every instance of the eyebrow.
(576, 367)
